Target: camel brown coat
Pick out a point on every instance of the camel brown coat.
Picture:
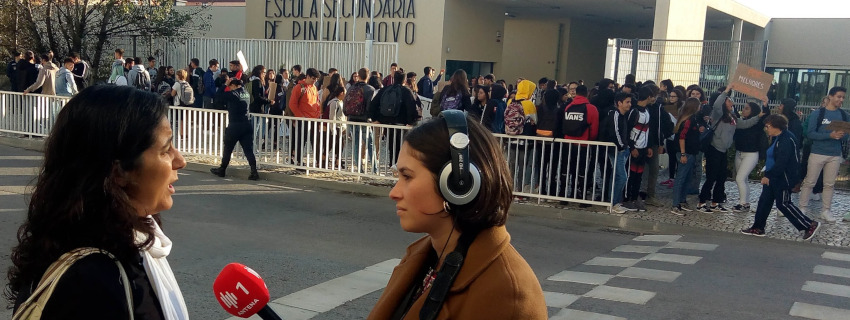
(495, 282)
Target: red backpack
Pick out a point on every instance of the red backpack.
(514, 118)
(354, 105)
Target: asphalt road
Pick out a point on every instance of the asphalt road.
(298, 237)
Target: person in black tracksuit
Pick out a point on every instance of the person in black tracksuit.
(239, 128)
(613, 129)
(782, 171)
(788, 108)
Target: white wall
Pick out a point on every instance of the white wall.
(225, 22)
(588, 44)
(531, 48)
(679, 20)
(420, 24)
(469, 31)
(809, 43)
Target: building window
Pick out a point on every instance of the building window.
(842, 79)
(813, 87)
(472, 68)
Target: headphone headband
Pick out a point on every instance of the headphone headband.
(458, 140)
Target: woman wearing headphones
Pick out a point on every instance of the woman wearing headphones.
(465, 267)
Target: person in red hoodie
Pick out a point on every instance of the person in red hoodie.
(304, 103)
(579, 121)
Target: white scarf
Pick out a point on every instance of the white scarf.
(160, 275)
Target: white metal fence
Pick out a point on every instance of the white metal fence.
(543, 168)
(347, 57)
(705, 62)
(31, 114)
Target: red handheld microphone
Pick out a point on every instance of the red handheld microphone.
(242, 292)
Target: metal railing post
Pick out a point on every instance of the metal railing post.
(619, 44)
(635, 52)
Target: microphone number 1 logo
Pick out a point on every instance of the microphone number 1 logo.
(239, 286)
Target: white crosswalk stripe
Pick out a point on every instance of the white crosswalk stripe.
(603, 291)
(559, 300)
(650, 274)
(836, 256)
(812, 311)
(582, 277)
(620, 294)
(838, 291)
(833, 271)
(827, 288)
(570, 314)
(636, 249)
(674, 258)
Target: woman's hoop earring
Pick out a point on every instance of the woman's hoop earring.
(446, 206)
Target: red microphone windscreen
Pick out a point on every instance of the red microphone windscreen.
(240, 290)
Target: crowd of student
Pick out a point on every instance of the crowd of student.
(31, 73)
(643, 121)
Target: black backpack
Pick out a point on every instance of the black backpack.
(391, 101)
(140, 82)
(575, 120)
(845, 147)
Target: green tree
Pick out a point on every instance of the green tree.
(90, 27)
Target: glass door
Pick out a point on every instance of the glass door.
(842, 79)
(813, 88)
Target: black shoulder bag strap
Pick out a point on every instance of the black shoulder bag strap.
(448, 272)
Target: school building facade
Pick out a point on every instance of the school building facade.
(565, 39)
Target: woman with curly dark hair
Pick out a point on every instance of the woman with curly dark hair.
(108, 171)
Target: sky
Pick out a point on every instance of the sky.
(800, 9)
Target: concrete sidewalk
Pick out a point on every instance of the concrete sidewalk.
(657, 219)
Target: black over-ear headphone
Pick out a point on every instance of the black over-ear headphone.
(460, 180)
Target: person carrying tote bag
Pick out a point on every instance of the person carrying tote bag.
(96, 206)
(33, 308)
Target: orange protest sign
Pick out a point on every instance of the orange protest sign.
(751, 82)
